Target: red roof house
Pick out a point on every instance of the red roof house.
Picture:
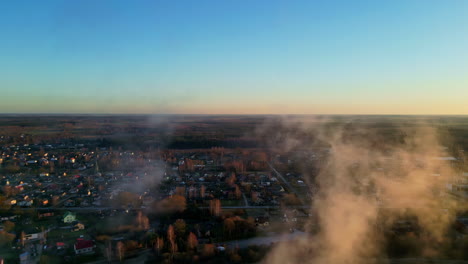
(84, 246)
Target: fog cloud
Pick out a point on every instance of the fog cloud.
(372, 176)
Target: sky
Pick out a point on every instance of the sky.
(234, 57)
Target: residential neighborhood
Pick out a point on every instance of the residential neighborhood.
(72, 201)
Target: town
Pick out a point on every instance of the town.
(73, 201)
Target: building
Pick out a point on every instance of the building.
(45, 215)
(69, 217)
(60, 245)
(24, 257)
(77, 226)
(84, 246)
(33, 233)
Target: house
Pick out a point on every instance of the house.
(77, 226)
(69, 217)
(45, 215)
(26, 203)
(8, 218)
(24, 257)
(33, 233)
(10, 201)
(69, 203)
(60, 245)
(262, 221)
(84, 246)
(461, 225)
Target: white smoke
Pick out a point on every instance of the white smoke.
(368, 171)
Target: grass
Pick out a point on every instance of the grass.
(47, 222)
(50, 259)
(8, 254)
(255, 212)
(232, 202)
(86, 258)
(64, 235)
(88, 219)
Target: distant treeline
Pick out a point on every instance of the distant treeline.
(209, 143)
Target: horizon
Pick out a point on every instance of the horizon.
(242, 115)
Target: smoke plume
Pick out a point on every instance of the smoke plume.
(370, 176)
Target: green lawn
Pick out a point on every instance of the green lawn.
(8, 254)
(86, 258)
(255, 212)
(88, 220)
(50, 259)
(64, 235)
(232, 202)
(46, 222)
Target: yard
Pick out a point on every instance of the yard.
(232, 202)
(9, 255)
(64, 235)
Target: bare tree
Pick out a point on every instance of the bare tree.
(215, 207)
(229, 226)
(171, 237)
(202, 191)
(120, 250)
(159, 244)
(192, 241)
(180, 227)
(237, 192)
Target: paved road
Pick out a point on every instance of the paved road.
(67, 208)
(67, 197)
(259, 207)
(245, 199)
(425, 261)
(94, 209)
(139, 258)
(267, 240)
(31, 247)
(288, 185)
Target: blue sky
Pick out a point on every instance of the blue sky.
(234, 57)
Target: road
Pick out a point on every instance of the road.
(94, 209)
(140, 257)
(424, 261)
(66, 208)
(32, 247)
(245, 199)
(267, 240)
(65, 199)
(259, 207)
(288, 185)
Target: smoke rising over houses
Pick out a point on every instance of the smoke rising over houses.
(366, 187)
